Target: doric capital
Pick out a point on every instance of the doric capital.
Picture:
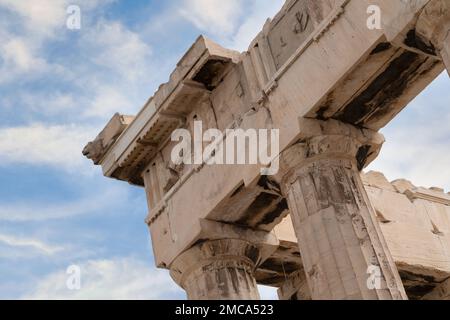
(433, 24)
(223, 246)
(213, 255)
(330, 140)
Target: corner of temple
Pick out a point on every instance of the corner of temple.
(96, 149)
(327, 83)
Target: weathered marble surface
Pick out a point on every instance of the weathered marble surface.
(316, 59)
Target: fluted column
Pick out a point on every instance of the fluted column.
(338, 237)
(218, 270)
(433, 27)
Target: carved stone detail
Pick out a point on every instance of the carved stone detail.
(433, 26)
(218, 270)
(315, 59)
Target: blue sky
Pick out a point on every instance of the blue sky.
(59, 87)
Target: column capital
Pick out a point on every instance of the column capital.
(330, 140)
(433, 24)
(433, 28)
(218, 270)
(222, 265)
(218, 254)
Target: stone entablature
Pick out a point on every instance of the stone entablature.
(315, 65)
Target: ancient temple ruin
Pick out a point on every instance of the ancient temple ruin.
(319, 228)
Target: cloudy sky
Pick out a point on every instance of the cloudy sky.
(58, 87)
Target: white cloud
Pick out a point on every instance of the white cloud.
(51, 103)
(34, 244)
(114, 71)
(45, 17)
(40, 211)
(39, 16)
(37, 144)
(216, 16)
(423, 158)
(258, 11)
(108, 100)
(90, 4)
(418, 140)
(19, 57)
(26, 27)
(117, 48)
(41, 103)
(121, 278)
(233, 22)
(16, 53)
(118, 73)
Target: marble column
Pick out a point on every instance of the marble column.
(218, 270)
(343, 251)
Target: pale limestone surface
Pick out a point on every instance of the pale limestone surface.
(416, 229)
(331, 213)
(314, 65)
(416, 225)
